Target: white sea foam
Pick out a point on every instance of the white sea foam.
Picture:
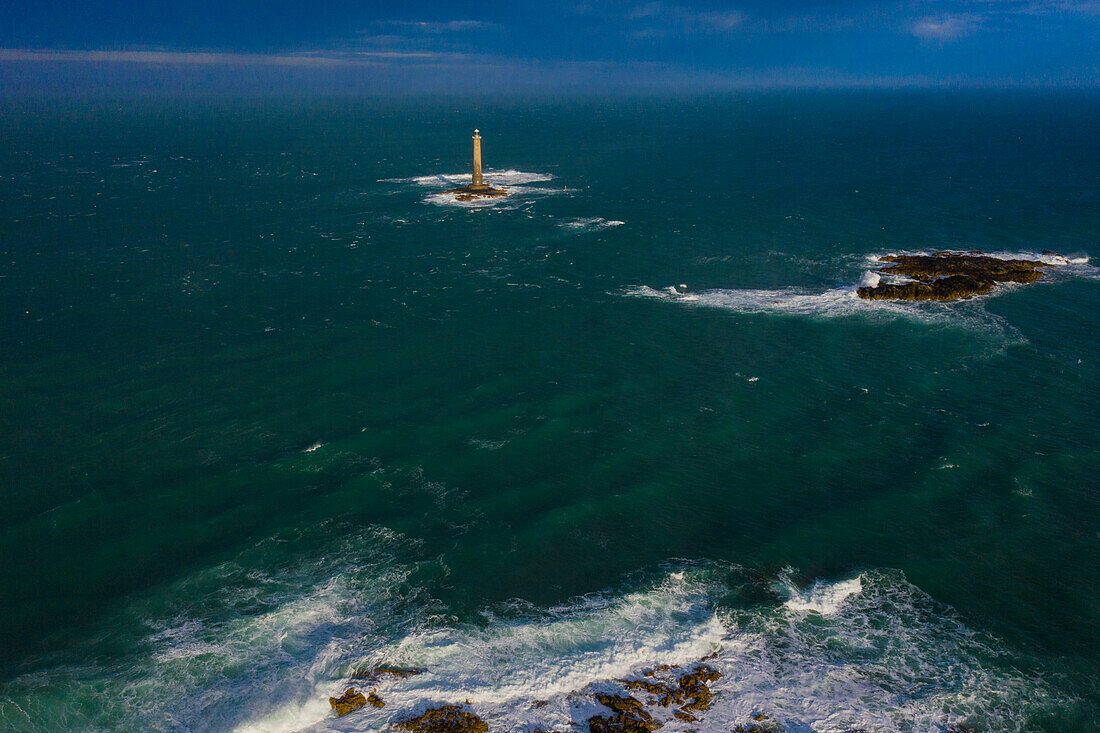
(590, 223)
(870, 279)
(494, 177)
(795, 301)
(486, 444)
(823, 598)
(515, 182)
(844, 301)
(869, 652)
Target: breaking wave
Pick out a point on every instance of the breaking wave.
(845, 302)
(796, 301)
(493, 177)
(870, 651)
(517, 183)
(590, 223)
(823, 598)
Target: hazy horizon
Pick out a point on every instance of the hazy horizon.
(429, 47)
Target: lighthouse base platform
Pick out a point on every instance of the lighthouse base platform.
(477, 191)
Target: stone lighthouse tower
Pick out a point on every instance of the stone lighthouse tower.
(477, 181)
(478, 188)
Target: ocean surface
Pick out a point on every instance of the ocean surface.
(274, 408)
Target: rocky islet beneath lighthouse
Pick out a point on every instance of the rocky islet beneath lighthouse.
(477, 189)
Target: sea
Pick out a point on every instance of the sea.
(276, 409)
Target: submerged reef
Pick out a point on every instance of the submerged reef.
(375, 674)
(474, 192)
(949, 276)
(352, 700)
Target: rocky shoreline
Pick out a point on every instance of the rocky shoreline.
(949, 275)
(685, 691)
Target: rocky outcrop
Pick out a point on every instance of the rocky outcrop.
(349, 702)
(690, 691)
(683, 690)
(473, 192)
(444, 719)
(949, 276)
(375, 674)
(954, 287)
(630, 716)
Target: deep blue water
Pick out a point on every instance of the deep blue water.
(271, 407)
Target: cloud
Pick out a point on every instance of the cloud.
(997, 15)
(450, 36)
(945, 27)
(1042, 7)
(437, 27)
(203, 58)
(664, 19)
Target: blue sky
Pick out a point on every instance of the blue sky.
(587, 44)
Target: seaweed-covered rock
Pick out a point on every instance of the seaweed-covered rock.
(690, 691)
(630, 716)
(349, 702)
(953, 287)
(376, 701)
(950, 276)
(942, 264)
(693, 687)
(376, 673)
(444, 719)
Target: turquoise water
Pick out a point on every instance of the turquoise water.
(272, 407)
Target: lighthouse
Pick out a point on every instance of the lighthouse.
(477, 182)
(478, 188)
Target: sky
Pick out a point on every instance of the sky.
(596, 45)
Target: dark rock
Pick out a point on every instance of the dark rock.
(374, 700)
(690, 691)
(445, 719)
(349, 702)
(376, 674)
(473, 192)
(950, 276)
(630, 716)
(661, 668)
(952, 287)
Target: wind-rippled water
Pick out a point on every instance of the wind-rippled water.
(273, 407)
